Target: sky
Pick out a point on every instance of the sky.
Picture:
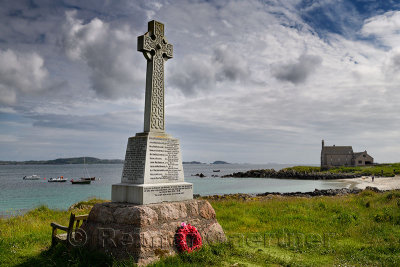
(250, 81)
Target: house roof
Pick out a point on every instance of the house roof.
(356, 154)
(338, 150)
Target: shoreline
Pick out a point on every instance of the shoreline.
(354, 186)
(382, 183)
(316, 193)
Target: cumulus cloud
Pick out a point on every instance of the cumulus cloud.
(391, 66)
(200, 72)
(110, 54)
(396, 62)
(193, 74)
(102, 122)
(236, 63)
(20, 73)
(230, 66)
(383, 24)
(298, 71)
(385, 27)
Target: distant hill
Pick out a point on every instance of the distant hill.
(80, 160)
(88, 160)
(220, 162)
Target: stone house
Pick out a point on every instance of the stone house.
(336, 156)
(362, 158)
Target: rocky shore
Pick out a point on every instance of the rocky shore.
(291, 174)
(315, 193)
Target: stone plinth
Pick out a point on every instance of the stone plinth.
(152, 157)
(146, 232)
(151, 193)
(153, 171)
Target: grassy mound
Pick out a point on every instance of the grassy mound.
(350, 230)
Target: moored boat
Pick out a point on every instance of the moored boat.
(216, 170)
(57, 180)
(80, 181)
(88, 178)
(31, 177)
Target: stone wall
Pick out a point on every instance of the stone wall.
(146, 232)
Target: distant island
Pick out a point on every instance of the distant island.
(318, 173)
(198, 162)
(79, 160)
(220, 162)
(87, 160)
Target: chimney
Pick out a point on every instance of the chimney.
(323, 143)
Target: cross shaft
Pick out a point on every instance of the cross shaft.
(156, 50)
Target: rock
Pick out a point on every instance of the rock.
(169, 211)
(317, 192)
(129, 215)
(101, 213)
(147, 232)
(192, 208)
(271, 173)
(374, 189)
(206, 210)
(214, 233)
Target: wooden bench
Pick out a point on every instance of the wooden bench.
(75, 221)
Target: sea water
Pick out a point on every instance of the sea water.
(18, 195)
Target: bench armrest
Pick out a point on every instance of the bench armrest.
(81, 217)
(57, 226)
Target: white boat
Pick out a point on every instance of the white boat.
(57, 180)
(31, 177)
(86, 175)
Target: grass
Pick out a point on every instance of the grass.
(26, 236)
(358, 229)
(386, 170)
(351, 230)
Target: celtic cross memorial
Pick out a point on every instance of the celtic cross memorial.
(156, 50)
(153, 170)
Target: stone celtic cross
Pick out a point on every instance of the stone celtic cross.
(153, 169)
(156, 50)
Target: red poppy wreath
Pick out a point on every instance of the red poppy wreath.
(188, 238)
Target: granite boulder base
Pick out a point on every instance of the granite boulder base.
(147, 232)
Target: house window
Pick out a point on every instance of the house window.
(360, 162)
(364, 156)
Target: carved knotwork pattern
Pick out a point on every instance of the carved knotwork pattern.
(156, 49)
(157, 100)
(159, 29)
(168, 50)
(148, 43)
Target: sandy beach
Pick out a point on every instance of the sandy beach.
(382, 183)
